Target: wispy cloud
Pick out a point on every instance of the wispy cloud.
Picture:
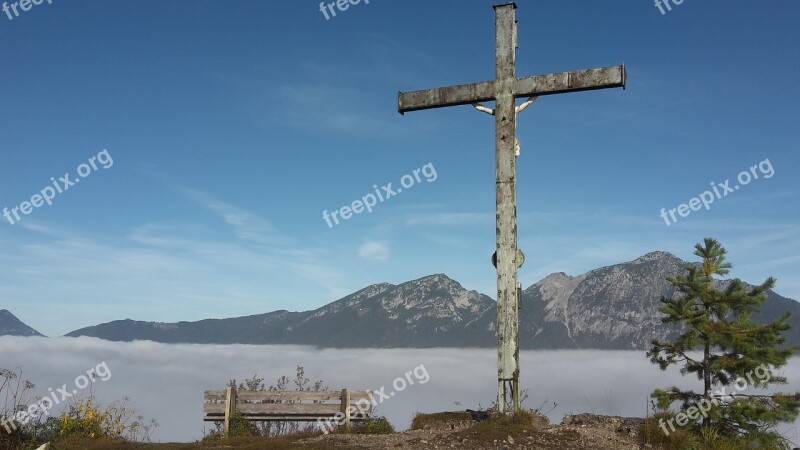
(374, 251)
(246, 225)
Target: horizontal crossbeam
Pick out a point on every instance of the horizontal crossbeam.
(538, 85)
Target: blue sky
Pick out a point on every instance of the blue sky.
(233, 126)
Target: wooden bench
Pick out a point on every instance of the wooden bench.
(292, 406)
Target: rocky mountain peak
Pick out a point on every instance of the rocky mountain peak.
(657, 256)
(438, 280)
(434, 291)
(556, 277)
(10, 325)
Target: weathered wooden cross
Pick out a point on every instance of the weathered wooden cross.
(504, 90)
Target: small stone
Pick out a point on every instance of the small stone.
(510, 440)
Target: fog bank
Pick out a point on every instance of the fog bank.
(166, 382)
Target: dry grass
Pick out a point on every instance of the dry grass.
(500, 428)
(495, 428)
(420, 420)
(278, 443)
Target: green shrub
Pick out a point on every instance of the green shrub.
(241, 427)
(378, 425)
(707, 438)
(87, 419)
(10, 439)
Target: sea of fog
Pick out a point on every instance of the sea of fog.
(166, 382)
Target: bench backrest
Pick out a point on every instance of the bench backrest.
(287, 405)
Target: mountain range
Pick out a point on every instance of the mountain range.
(614, 307)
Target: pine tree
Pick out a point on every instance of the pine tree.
(721, 345)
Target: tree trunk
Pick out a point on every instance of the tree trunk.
(707, 379)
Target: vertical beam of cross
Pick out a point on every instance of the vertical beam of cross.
(504, 90)
(506, 219)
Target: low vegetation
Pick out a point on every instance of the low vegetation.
(375, 425)
(288, 442)
(424, 421)
(82, 419)
(499, 428)
(690, 438)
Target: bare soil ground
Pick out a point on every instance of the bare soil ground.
(440, 431)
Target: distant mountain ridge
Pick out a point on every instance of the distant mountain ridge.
(429, 312)
(613, 307)
(11, 326)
